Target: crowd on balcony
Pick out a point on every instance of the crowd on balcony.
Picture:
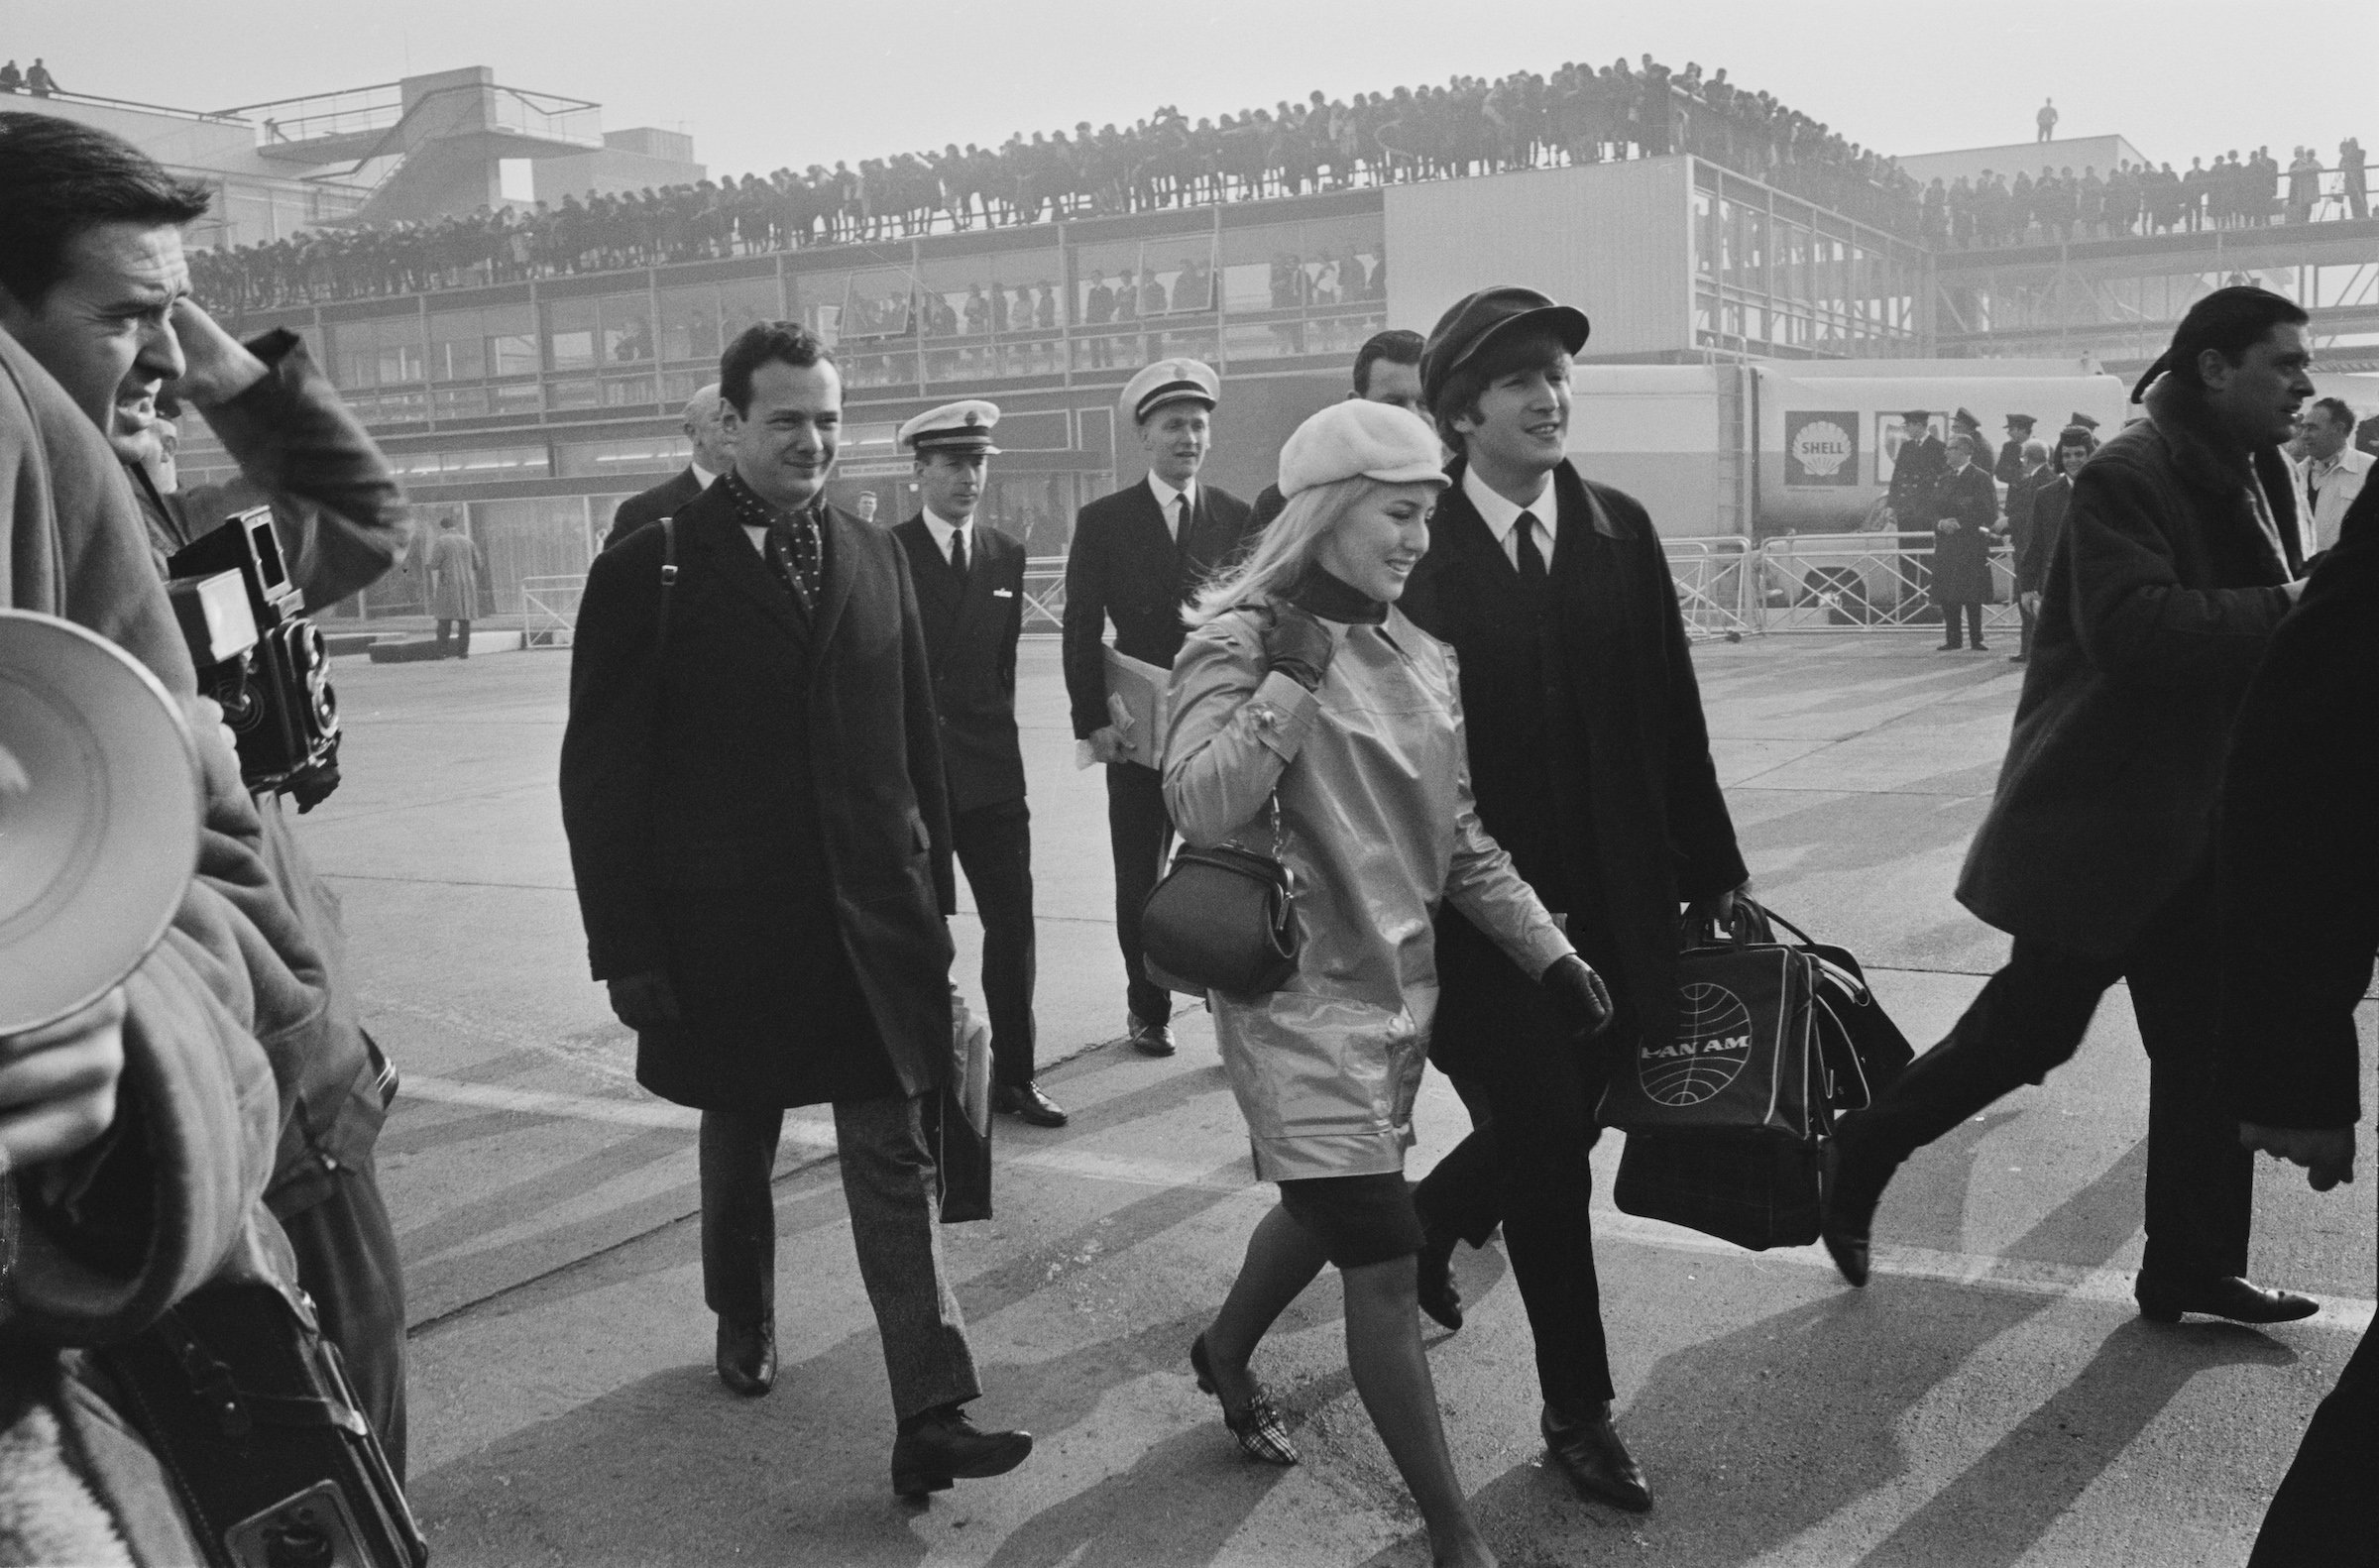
(1994, 208)
(1580, 114)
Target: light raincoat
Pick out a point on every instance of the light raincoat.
(1376, 826)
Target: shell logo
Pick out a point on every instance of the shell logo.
(1821, 447)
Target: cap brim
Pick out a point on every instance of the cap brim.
(1568, 323)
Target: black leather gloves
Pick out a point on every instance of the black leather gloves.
(1299, 646)
(1580, 995)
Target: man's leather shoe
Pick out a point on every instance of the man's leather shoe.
(1150, 1039)
(1026, 1103)
(941, 1446)
(1439, 1298)
(748, 1356)
(1950, 647)
(1846, 1222)
(2240, 1300)
(1597, 1463)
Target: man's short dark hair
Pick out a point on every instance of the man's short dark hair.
(2340, 413)
(60, 178)
(763, 344)
(1395, 345)
(1511, 353)
(2229, 321)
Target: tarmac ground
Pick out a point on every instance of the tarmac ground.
(1990, 1399)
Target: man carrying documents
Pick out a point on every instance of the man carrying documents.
(1136, 557)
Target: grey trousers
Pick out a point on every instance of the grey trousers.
(890, 1186)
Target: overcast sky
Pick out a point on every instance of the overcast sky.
(768, 82)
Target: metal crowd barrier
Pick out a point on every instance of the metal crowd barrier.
(1710, 576)
(549, 610)
(1044, 591)
(1849, 582)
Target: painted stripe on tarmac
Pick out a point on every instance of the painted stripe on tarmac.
(2024, 1276)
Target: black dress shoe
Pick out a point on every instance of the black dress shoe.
(1847, 1223)
(1026, 1103)
(1949, 647)
(1439, 1296)
(748, 1356)
(941, 1447)
(1150, 1039)
(2240, 1300)
(1597, 1463)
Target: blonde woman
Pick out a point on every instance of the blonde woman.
(1301, 682)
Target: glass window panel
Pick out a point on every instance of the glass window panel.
(571, 326)
(626, 328)
(748, 301)
(818, 302)
(690, 323)
(544, 538)
(878, 304)
(1041, 431)
(516, 397)
(641, 460)
(576, 393)
(627, 392)
(459, 403)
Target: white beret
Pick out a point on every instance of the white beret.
(1376, 440)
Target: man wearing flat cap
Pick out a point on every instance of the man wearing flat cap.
(1136, 557)
(1591, 763)
(969, 581)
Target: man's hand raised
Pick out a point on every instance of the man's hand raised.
(218, 366)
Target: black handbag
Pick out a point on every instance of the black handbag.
(1222, 920)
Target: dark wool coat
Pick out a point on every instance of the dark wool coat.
(1124, 566)
(2041, 533)
(758, 813)
(2157, 610)
(971, 635)
(2299, 850)
(1588, 752)
(651, 505)
(1962, 560)
(1915, 474)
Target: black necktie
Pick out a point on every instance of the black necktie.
(958, 554)
(1531, 559)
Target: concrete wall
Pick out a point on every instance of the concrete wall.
(1612, 239)
(1654, 432)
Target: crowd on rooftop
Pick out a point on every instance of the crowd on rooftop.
(1580, 114)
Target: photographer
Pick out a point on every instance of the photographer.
(94, 285)
(139, 1131)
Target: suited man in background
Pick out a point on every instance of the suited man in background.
(712, 456)
(2296, 856)
(1387, 370)
(1135, 558)
(752, 784)
(970, 595)
(1916, 472)
(1591, 763)
(2010, 464)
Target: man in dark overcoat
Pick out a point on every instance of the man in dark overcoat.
(2042, 533)
(1965, 508)
(709, 459)
(1135, 559)
(752, 788)
(1591, 763)
(969, 581)
(2178, 563)
(2296, 861)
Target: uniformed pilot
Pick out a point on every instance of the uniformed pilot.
(970, 593)
(1135, 559)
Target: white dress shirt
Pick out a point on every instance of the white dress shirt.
(702, 476)
(1502, 515)
(2334, 485)
(1166, 495)
(944, 532)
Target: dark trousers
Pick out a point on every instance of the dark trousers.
(1524, 1163)
(1140, 832)
(347, 1262)
(443, 625)
(1950, 609)
(2323, 1513)
(890, 1184)
(994, 844)
(2030, 1019)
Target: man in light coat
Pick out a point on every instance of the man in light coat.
(2333, 472)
